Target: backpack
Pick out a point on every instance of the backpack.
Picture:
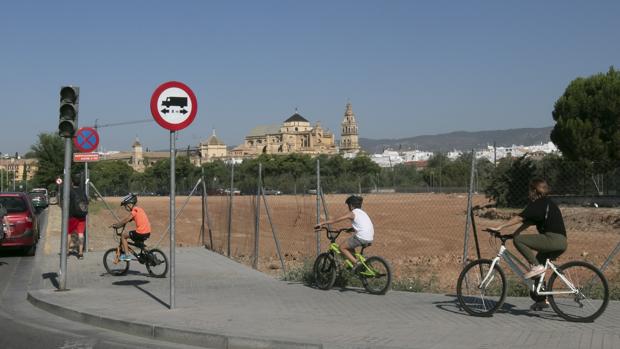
(78, 204)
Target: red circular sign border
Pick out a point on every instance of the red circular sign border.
(79, 147)
(155, 110)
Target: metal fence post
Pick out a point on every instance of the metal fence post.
(257, 215)
(470, 195)
(318, 204)
(230, 205)
(273, 231)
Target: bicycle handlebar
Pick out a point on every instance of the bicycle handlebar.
(480, 207)
(498, 234)
(116, 229)
(335, 232)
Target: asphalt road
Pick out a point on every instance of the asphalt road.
(24, 326)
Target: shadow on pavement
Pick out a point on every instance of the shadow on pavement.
(13, 252)
(53, 277)
(454, 307)
(137, 284)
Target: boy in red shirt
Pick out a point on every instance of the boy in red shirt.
(143, 226)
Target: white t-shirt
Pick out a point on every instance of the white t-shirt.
(363, 225)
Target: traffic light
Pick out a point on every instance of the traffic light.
(69, 106)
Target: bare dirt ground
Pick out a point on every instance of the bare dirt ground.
(420, 234)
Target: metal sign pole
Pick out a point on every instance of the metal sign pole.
(86, 180)
(65, 215)
(172, 213)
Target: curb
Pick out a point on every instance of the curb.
(204, 339)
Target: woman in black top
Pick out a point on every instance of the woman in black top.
(546, 215)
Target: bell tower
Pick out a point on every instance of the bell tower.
(349, 142)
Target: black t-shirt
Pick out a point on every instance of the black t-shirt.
(546, 215)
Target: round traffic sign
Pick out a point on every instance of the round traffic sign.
(86, 139)
(59, 181)
(173, 105)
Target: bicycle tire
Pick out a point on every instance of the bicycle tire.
(466, 301)
(384, 272)
(600, 290)
(155, 258)
(118, 269)
(324, 271)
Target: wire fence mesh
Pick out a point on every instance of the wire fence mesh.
(419, 214)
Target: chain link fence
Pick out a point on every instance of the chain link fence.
(420, 214)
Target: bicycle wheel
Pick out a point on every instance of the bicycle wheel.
(378, 277)
(325, 271)
(586, 299)
(116, 269)
(477, 299)
(156, 263)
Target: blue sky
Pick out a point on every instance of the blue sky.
(408, 67)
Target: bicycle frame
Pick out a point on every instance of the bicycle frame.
(335, 248)
(508, 257)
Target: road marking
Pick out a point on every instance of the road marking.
(82, 343)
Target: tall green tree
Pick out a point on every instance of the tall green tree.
(111, 177)
(587, 118)
(50, 152)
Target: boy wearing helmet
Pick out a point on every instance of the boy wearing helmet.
(143, 226)
(362, 225)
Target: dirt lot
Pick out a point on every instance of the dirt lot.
(420, 234)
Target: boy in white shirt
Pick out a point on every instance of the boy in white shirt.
(361, 223)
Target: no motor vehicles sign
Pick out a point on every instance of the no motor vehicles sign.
(174, 105)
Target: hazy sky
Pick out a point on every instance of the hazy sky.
(408, 67)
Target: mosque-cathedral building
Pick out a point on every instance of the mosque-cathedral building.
(295, 135)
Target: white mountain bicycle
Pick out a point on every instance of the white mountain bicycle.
(577, 291)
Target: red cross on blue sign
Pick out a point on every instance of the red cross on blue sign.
(86, 139)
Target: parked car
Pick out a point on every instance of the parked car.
(312, 191)
(235, 191)
(39, 200)
(268, 191)
(23, 230)
(41, 191)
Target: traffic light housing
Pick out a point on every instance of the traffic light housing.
(69, 107)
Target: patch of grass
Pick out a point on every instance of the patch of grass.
(301, 272)
(417, 284)
(95, 206)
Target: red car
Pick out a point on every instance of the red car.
(23, 229)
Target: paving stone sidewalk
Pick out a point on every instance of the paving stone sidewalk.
(220, 303)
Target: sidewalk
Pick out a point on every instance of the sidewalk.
(222, 304)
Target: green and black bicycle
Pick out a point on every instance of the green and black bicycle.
(374, 273)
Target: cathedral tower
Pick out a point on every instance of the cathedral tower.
(349, 137)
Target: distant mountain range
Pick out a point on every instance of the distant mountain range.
(460, 140)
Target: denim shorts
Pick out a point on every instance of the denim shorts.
(354, 242)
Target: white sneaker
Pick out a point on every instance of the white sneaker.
(535, 271)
